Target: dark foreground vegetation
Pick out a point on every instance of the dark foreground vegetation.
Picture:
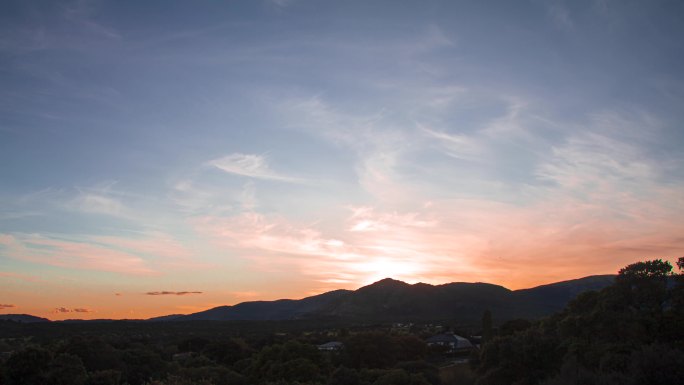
(631, 332)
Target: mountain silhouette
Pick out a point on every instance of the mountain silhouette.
(397, 301)
(25, 318)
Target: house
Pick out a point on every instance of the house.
(452, 343)
(331, 346)
(182, 356)
(4, 356)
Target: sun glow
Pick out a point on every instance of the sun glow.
(380, 268)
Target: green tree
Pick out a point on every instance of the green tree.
(644, 284)
(291, 361)
(105, 377)
(486, 325)
(141, 365)
(410, 348)
(628, 333)
(345, 376)
(370, 350)
(646, 270)
(95, 353)
(29, 367)
(67, 369)
(227, 352)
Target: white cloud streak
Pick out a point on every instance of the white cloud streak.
(250, 165)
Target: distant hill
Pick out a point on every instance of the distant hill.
(547, 299)
(282, 309)
(25, 318)
(392, 300)
(171, 317)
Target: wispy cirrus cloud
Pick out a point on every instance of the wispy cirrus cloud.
(4, 306)
(173, 292)
(104, 199)
(250, 165)
(560, 15)
(73, 254)
(19, 276)
(377, 144)
(147, 254)
(81, 13)
(459, 146)
(99, 204)
(594, 194)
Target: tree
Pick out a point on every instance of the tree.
(291, 361)
(370, 350)
(67, 369)
(645, 270)
(344, 376)
(29, 367)
(141, 365)
(514, 326)
(628, 333)
(95, 353)
(227, 352)
(486, 325)
(644, 284)
(410, 348)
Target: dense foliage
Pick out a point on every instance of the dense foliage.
(374, 355)
(629, 333)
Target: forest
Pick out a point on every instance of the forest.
(628, 333)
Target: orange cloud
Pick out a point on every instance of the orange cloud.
(68, 310)
(452, 240)
(172, 292)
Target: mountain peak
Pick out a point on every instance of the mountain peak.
(389, 282)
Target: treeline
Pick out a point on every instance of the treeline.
(367, 358)
(629, 333)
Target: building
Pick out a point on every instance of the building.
(451, 343)
(331, 346)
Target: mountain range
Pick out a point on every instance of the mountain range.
(391, 300)
(396, 301)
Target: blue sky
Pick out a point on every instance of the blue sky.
(267, 149)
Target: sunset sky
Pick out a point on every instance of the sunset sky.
(171, 156)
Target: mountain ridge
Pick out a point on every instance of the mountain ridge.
(394, 300)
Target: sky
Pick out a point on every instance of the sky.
(166, 157)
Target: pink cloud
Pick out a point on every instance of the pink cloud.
(453, 240)
(19, 276)
(77, 255)
(153, 244)
(158, 248)
(148, 254)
